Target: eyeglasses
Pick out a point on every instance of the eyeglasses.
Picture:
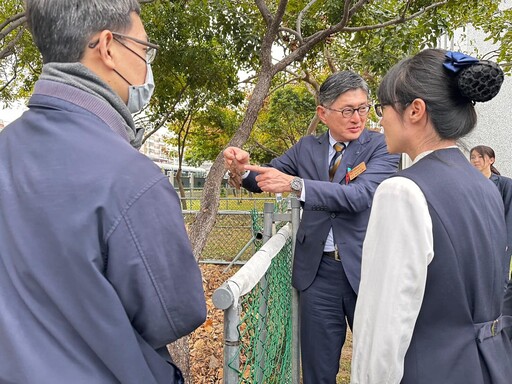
(380, 107)
(348, 112)
(151, 49)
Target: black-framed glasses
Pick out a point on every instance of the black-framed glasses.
(349, 111)
(378, 109)
(151, 49)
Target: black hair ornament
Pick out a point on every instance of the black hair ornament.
(478, 80)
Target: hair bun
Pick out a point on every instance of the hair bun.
(481, 81)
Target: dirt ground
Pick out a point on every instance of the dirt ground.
(206, 342)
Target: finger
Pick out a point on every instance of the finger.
(257, 168)
(230, 153)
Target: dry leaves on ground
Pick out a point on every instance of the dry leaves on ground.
(206, 343)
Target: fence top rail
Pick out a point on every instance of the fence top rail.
(195, 212)
(251, 273)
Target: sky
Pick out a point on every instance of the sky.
(9, 114)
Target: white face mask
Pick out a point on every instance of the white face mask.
(139, 95)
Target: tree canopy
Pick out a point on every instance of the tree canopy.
(246, 72)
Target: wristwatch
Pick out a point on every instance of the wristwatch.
(296, 185)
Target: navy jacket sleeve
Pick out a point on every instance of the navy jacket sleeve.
(303, 160)
(152, 267)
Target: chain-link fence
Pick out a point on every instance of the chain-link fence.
(260, 308)
(233, 236)
(236, 236)
(265, 331)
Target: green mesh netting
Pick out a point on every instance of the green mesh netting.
(265, 329)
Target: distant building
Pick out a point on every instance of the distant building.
(156, 147)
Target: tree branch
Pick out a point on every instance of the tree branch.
(266, 149)
(15, 20)
(319, 36)
(12, 27)
(9, 48)
(291, 32)
(265, 12)
(13, 77)
(301, 15)
(399, 20)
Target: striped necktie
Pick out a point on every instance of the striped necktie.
(336, 159)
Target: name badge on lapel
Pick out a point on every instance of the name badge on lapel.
(354, 172)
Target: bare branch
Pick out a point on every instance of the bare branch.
(399, 20)
(265, 12)
(9, 26)
(301, 15)
(406, 8)
(313, 125)
(9, 48)
(291, 32)
(297, 78)
(13, 77)
(13, 19)
(270, 36)
(319, 36)
(157, 126)
(346, 12)
(330, 61)
(311, 84)
(278, 18)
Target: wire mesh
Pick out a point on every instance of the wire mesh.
(265, 330)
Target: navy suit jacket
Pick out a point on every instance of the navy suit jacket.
(344, 207)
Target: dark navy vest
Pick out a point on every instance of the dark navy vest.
(457, 338)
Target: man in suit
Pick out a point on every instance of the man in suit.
(335, 187)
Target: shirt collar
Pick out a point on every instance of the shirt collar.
(332, 141)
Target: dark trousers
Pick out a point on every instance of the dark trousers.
(325, 309)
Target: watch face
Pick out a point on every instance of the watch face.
(296, 184)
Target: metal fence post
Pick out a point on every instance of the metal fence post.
(295, 300)
(268, 221)
(231, 345)
(223, 299)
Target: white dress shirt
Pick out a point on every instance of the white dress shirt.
(397, 250)
(329, 242)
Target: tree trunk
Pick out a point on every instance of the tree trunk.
(210, 198)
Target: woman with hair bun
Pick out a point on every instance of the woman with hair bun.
(434, 261)
(482, 157)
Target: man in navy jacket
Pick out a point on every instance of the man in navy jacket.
(327, 260)
(97, 274)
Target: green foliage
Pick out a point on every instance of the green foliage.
(372, 52)
(205, 44)
(196, 72)
(20, 61)
(283, 121)
(194, 61)
(212, 130)
(498, 28)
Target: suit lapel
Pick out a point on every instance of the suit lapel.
(322, 157)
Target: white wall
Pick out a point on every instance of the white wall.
(494, 127)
